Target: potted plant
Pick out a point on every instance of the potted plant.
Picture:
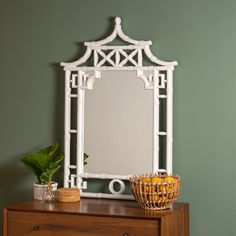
(44, 163)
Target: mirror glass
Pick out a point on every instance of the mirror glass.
(118, 125)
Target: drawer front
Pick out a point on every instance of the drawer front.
(48, 224)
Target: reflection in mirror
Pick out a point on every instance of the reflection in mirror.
(118, 125)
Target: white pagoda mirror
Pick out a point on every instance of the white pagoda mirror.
(112, 62)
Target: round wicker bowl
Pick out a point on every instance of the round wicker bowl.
(155, 191)
(68, 195)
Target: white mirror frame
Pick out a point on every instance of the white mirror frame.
(78, 78)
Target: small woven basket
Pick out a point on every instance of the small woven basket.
(155, 191)
(68, 195)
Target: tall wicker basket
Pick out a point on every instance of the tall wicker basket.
(155, 191)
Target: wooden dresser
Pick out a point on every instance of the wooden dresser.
(91, 217)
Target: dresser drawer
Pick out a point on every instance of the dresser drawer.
(48, 224)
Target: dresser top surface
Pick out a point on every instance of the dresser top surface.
(90, 206)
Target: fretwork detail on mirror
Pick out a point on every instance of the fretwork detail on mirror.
(118, 57)
(116, 186)
(157, 76)
(148, 79)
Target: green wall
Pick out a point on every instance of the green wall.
(37, 35)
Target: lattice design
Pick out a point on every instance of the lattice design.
(72, 180)
(162, 81)
(149, 79)
(74, 81)
(117, 57)
(86, 82)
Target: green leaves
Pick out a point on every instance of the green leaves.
(51, 169)
(44, 163)
(53, 149)
(33, 162)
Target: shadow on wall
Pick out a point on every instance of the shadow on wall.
(14, 182)
(58, 114)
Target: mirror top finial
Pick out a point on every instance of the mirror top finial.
(118, 20)
(102, 53)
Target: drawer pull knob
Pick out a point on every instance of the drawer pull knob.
(35, 228)
(125, 234)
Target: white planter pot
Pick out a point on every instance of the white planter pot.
(40, 188)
